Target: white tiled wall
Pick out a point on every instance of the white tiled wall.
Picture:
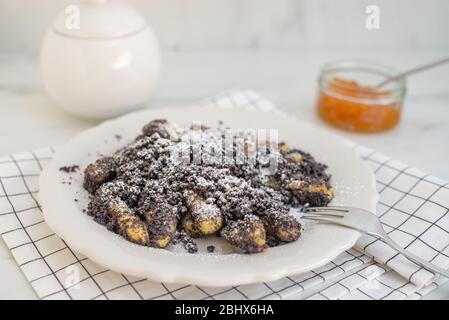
(255, 24)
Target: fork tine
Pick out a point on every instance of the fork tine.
(323, 214)
(320, 219)
(340, 209)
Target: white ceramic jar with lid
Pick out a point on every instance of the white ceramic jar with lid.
(99, 59)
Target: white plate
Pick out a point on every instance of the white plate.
(353, 180)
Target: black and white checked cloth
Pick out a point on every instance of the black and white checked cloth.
(413, 208)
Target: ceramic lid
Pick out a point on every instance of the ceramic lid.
(97, 19)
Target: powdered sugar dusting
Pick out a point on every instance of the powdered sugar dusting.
(166, 163)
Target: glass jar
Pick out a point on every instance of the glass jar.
(348, 97)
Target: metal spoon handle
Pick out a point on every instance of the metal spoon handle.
(414, 70)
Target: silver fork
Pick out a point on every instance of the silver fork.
(365, 222)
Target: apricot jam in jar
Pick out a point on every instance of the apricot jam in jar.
(349, 99)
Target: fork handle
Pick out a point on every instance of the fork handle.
(419, 261)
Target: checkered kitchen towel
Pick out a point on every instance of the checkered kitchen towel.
(413, 207)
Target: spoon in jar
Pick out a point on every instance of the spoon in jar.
(412, 71)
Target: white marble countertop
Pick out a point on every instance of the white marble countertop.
(29, 120)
